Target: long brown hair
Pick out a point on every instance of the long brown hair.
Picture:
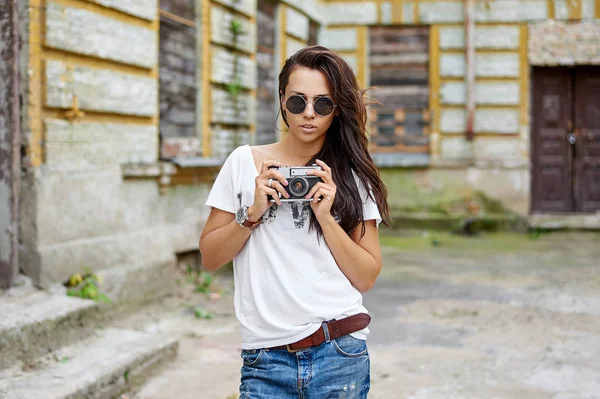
(346, 144)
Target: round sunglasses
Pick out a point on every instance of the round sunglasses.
(323, 106)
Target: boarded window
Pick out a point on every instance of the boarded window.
(177, 80)
(265, 59)
(313, 33)
(399, 58)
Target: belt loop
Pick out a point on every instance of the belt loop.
(326, 331)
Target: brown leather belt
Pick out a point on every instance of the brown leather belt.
(336, 329)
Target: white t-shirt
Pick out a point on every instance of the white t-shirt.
(286, 281)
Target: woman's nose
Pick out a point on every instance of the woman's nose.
(309, 111)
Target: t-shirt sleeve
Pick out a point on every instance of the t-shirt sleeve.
(370, 210)
(222, 193)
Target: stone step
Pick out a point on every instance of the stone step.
(104, 365)
(35, 323)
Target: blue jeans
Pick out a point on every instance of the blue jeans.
(335, 369)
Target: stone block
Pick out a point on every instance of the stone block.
(588, 9)
(94, 200)
(224, 109)
(72, 146)
(223, 66)
(104, 252)
(486, 37)
(146, 9)
(311, 8)
(456, 149)
(293, 46)
(511, 10)
(344, 39)
(96, 366)
(486, 120)
(101, 90)
(247, 7)
(89, 33)
(296, 24)
(561, 9)
(408, 13)
(386, 13)
(486, 65)
(494, 149)
(564, 43)
(225, 140)
(221, 33)
(363, 13)
(171, 147)
(496, 93)
(440, 11)
(352, 61)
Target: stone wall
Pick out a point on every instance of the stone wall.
(553, 43)
(81, 207)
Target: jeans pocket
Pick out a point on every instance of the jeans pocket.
(348, 346)
(251, 356)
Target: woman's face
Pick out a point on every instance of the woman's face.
(311, 84)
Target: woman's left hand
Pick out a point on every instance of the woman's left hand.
(323, 193)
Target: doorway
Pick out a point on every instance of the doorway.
(565, 139)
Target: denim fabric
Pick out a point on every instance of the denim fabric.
(335, 369)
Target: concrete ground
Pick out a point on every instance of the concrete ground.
(495, 316)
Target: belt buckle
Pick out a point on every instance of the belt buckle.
(290, 350)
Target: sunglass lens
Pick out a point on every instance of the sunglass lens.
(295, 104)
(324, 106)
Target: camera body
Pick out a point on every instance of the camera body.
(299, 183)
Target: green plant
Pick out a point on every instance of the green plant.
(202, 313)
(86, 285)
(202, 280)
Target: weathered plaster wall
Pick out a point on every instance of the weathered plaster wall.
(80, 207)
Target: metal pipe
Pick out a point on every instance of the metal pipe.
(470, 67)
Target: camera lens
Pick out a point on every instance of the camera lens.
(298, 186)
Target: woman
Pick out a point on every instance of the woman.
(300, 266)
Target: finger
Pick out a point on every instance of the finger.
(323, 165)
(275, 175)
(325, 176)
(324, 194)
(267, 163)
(279, 187)
(313, 190)
(273, 193)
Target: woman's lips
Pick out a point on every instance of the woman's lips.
(308, 128)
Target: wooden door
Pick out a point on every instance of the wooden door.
(399, 59)
(565, 140)
(587, 146)
(551, 152)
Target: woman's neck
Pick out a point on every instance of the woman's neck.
(298, 150)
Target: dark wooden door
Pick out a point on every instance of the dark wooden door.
(587, 147)
(566, 140)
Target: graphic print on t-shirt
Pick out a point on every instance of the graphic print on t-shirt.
(300, 215)
(270, 215)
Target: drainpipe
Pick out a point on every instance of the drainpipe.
(470, 66)
(10, 143)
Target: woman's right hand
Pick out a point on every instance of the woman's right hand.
(262, 191)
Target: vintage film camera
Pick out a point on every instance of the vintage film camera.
(299, 183)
